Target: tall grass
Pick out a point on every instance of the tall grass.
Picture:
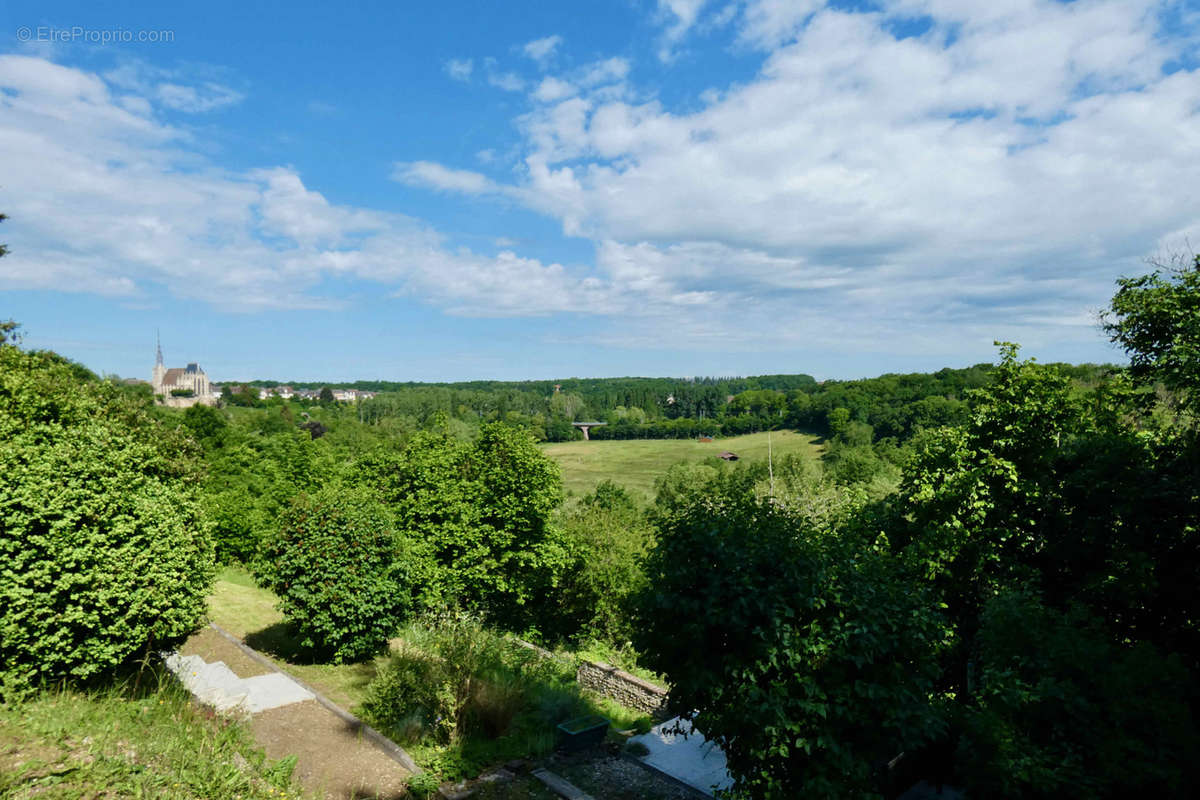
(462, 697)
(121, 742)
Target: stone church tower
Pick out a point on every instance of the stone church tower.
(160, 371)
(180, 387)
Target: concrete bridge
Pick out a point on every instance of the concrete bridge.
(584, 426)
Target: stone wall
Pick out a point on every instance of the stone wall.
(628, 690)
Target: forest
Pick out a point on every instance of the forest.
(986, 579)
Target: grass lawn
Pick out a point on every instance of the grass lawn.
(119, 743)
(636, 463)
(245, 610)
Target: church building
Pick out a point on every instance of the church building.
(180, 387)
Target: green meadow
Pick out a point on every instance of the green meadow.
(635, 464)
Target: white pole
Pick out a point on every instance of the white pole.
(770, 464)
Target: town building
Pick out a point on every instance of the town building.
(180, 387)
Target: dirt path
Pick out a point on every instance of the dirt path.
(333, 759)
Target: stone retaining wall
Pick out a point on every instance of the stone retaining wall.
(628, 690)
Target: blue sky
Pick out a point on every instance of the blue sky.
(532, 190)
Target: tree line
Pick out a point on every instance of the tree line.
(995, 591)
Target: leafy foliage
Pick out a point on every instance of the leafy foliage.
(1156, 319)
(805, 651)
(340, 573)
(1055, 533)
(1061, 710)
(104, 552)
(475, 696)
(606, 536)
(477, 514)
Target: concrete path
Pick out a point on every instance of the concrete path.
(690, 759)
(216, 685)
(338, 756)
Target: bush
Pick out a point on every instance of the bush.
(338, 569)
(454, 682)
(607, 536)
(478, 514)
(104, 553)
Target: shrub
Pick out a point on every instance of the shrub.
(338, 569)
(103, 550)
(454, 680)
(607, 536)
(479, 513)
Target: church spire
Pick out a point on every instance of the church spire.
(158, 359)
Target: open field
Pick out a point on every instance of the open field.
(636, 463)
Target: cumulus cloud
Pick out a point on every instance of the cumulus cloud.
(552, 89)
(436, 176)
(917, 179)
(769, 23)
(680, 16)
(541, 50)
(990, 175)
(460, 69)
(605, 71)
(507, 80)
(108, 201)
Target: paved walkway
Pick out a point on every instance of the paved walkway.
(692, 759)
(334, 758)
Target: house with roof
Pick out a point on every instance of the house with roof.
(180, 387)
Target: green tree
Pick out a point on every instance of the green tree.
(105, 554)
(1155, 318)
(206, 423)
(803, 649)
(477, 514)
(340, 572)
(606, 538)
(10, 332)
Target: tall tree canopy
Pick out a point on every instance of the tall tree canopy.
(1019, 614)
(103, 551)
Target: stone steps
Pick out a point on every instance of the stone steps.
(216, 685)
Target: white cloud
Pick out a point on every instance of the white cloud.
(986, 179)
(195, 99)
(605, 71)
(173, 89)
(460, 69)
(552, 89)
(436, 176)
(108, 201)
(541, 50)
(508, 81)
(769, 23)
(681, 16)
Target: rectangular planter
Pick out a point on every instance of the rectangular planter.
(581, 733)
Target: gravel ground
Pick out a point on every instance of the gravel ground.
(608, 777)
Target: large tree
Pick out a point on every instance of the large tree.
(104, 555)
(1155, 318)
(477, 514)
(1027, 620)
